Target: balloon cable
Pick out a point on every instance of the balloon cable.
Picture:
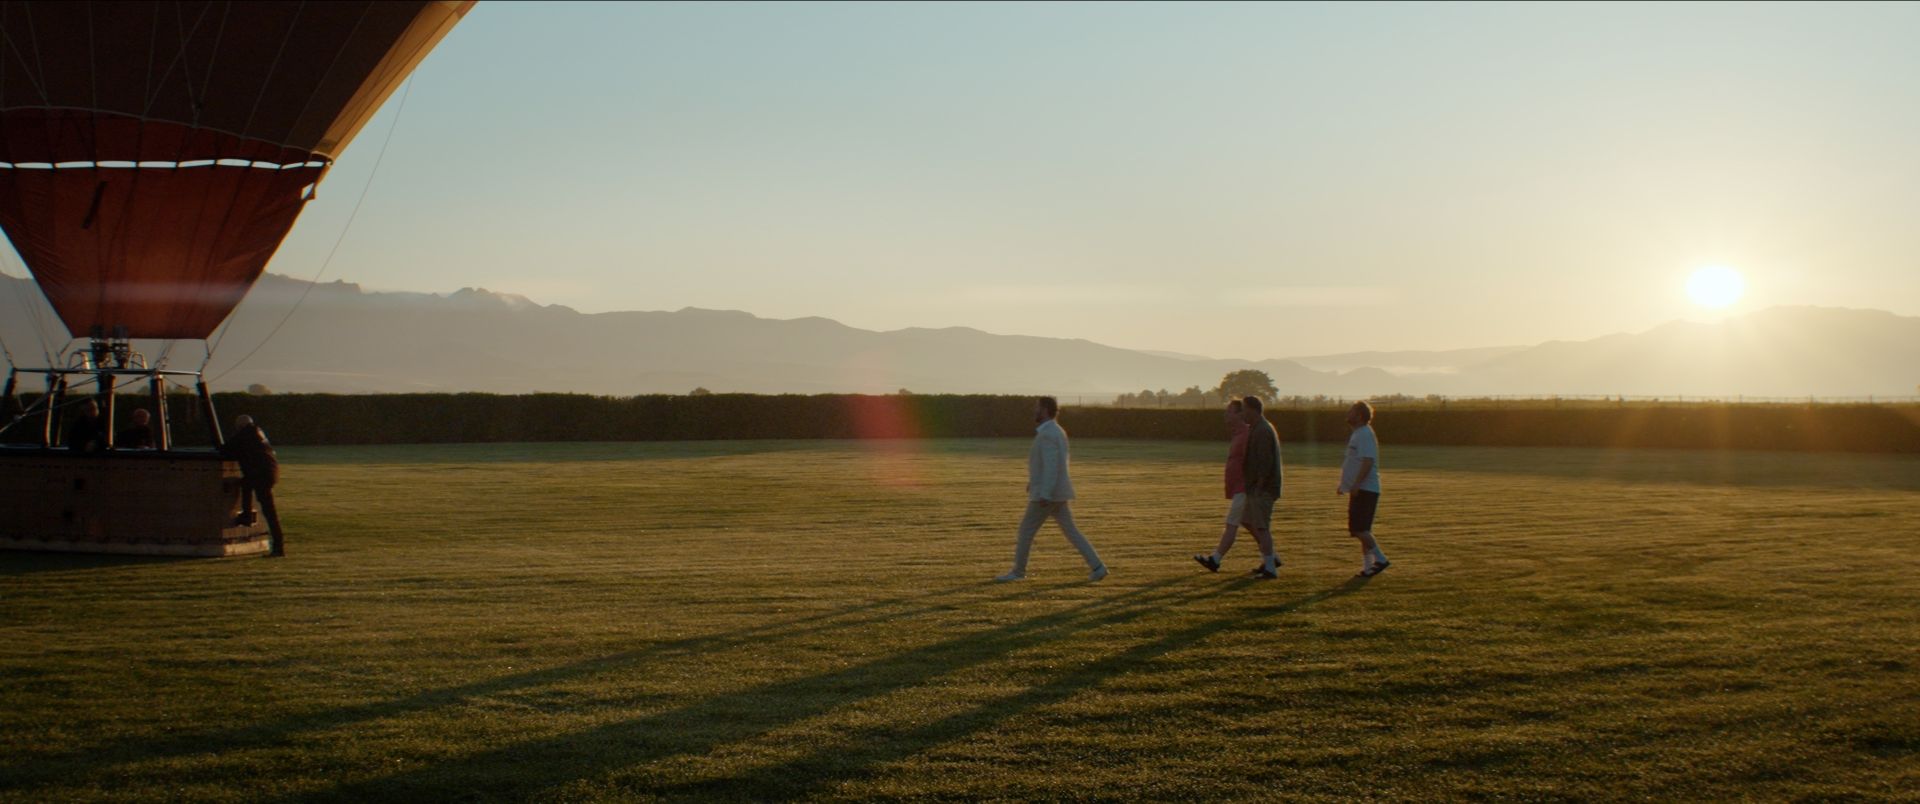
(326, 263)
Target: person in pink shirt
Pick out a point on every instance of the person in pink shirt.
(1236, 477)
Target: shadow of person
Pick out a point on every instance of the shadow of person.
(22, 771)
(860, 753)
(697, 729)
(28, 563)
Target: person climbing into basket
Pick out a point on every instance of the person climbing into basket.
(259, 471)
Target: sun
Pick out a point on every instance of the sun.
(1715, 286)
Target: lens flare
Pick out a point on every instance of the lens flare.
(889, 431)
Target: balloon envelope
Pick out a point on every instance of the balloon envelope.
(154, 155)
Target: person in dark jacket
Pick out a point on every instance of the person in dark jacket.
(259, 471)
(88, 431)
(138, 435)
(1262, 475)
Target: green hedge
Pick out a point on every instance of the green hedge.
(1821, 428)
(295, 419)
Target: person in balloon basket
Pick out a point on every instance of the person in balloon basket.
(88, 431)
(138, 434)
(259, 471)
(1360, 477)
(1049, 494)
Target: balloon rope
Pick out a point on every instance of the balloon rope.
(328, 262)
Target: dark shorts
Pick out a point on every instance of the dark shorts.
(1360, 508)
(1259, 513)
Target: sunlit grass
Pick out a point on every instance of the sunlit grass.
(775, 620)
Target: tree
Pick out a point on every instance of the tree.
(1248, 382)
(259, 390)
(701, 391)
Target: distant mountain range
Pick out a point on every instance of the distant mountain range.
(348, 340)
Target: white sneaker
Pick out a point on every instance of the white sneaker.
(1097, 573)
(1011, 576)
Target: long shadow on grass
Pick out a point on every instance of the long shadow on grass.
(860, 752)
(522, 769)
(39, 769)
(29, 563)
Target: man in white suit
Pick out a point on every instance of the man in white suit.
(1049, 492)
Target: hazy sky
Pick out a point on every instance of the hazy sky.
(1234, 180)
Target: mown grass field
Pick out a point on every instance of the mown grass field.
(777, 620)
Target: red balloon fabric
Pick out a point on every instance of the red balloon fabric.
(154, 155)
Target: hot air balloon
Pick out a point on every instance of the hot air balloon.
(153, 155)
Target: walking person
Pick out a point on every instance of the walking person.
(1263, 475)
(259, 471)
(1236, 477)
(1049, 494)
(1360, 476)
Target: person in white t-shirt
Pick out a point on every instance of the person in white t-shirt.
(1360, 476)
